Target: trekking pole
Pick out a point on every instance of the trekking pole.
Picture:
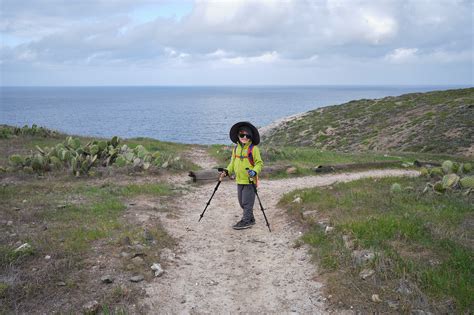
(260, 202)
(209, 202)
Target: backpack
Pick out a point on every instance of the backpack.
(249, 154)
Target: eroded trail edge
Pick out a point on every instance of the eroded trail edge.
(216, 269)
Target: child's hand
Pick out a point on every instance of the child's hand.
(224, 173)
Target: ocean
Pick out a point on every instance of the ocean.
(198, 115)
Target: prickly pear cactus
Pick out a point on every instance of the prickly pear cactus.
(81, 158)
(120, 161)
(467, 167)
(436, 172)
(424, 172)
(450, 181)
(16, 160)
(438, 187)
(447, 167)
(467, 182)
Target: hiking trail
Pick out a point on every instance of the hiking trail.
(216, 269)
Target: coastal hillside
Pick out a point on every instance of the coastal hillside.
(435, 122)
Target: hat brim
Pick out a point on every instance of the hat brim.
(234, 132)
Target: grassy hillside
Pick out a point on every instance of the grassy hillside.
(412, 248)
(434, 122)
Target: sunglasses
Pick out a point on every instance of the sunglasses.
(242, 135)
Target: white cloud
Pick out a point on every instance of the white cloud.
(402, 55)
(380, 28)
(412, 55)
(269, 57)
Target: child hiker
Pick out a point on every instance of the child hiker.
(246, 164)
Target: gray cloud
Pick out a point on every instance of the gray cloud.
(245, 34)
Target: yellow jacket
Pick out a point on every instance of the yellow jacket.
(240, 162)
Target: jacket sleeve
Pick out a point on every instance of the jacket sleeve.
(230, 167)
(257, 159)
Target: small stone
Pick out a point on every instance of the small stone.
(61, 206)
(47, 257)
(125, 255)
(92, 307)
(404, 288)
(361, 257)
(16, 208)
(107, 279)
(212, 282)
(376, 298)
(61, 284)
(158, 269)
(183, 300)
(137, 278)
(139, 248)
(24, 200)
(137, 260)
(310, 214)
(230, 250)
(297, 200)
(323, 223)
(328, 229)
(291, 170)
(364, 274)
(10, 223)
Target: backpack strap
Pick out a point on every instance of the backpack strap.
(250, 154)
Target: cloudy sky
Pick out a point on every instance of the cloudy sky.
(236, 42)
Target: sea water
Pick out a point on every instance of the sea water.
(199, 115)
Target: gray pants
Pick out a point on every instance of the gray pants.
(246, 196)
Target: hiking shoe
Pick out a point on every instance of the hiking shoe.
(243, 225)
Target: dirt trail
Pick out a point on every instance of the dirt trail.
(216, 269)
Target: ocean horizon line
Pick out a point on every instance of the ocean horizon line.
(242, 85)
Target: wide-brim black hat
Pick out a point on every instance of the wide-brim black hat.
(234, 132)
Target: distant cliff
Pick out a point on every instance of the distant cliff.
(437, 122)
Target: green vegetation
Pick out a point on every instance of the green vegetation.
(81, 155)
(434, 122)
(7, 132)
(419, 237)
(305, 159)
